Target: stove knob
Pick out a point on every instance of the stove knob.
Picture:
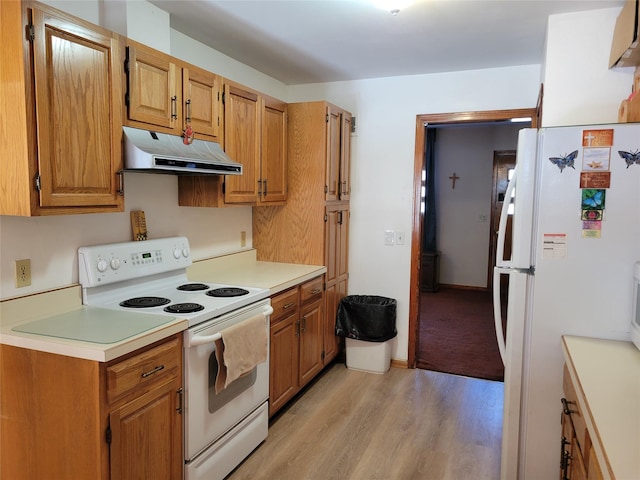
(185, 252)
(102, 265)
(176, 253)
(115, 263)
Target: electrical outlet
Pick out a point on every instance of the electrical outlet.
(243, 239)
(23, 273)
(389, 237)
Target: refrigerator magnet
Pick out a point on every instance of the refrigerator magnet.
(593, 198)
(630, 157)
(597, 138)
(591, 229)
(596, 159)
(592, 215)
(595, 179)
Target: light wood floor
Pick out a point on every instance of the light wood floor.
(402, 425)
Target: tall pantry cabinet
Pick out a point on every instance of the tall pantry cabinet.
(313, 227)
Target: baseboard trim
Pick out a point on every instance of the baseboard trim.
(464, 287)
(399, 363)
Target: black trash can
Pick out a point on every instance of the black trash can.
(368, 323)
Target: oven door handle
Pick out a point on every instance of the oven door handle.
(205, 339)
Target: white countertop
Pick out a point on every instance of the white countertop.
(63, 307)
(607, 375)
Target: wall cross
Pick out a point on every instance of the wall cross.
(453, 179)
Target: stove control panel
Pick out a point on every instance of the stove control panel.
(116, 262)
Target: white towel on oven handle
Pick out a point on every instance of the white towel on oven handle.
(240, 348)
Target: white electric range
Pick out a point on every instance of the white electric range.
(149, 276)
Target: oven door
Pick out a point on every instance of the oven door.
(208, 416)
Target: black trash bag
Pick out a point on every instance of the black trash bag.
(366, 317)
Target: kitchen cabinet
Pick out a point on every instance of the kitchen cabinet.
(168, 95)
(577, 458)
(61, 96)
(256, 137)
(296, 341)
(74, 418)
(313, 227)
(338, 140)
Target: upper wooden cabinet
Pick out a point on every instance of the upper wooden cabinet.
(167, 95)
(255, 136)
(338, 138)
(60, 103)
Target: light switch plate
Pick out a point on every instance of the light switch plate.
(389, 237)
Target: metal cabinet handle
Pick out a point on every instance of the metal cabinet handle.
(120, 190)
(304, 324)
(288, 305)
(179, 407)
(264, 186)
(155, 370)
(259, 188)
(565, 406)
(174, 107)
(315, 291)
(188, 110)
(297, 332)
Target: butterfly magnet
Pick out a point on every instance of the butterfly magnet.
(629, 157)
(566, 161)
(593, 199)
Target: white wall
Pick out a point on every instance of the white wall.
(464, 213)
(579, 87)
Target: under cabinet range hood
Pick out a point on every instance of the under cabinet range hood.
(156, 152)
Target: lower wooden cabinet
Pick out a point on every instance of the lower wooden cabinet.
(74, 418)
(296, 341)
(577, 458)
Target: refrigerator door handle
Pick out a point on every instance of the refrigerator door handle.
(504, 216)
(497, 311)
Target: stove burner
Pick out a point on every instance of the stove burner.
(193, 287)
(184, 308)
(144, 302)
(227, 292)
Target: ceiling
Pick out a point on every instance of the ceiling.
(309, 41)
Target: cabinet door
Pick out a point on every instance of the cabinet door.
(78, 113)
(201, 101)
(241, 143)
(332, 175)
(345, 157)
(332, 214)
(343, 243)
(273, 168)
(283, 362)
(153, 93)
(146, 436)
(311, 341)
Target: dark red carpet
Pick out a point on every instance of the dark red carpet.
(457, 334)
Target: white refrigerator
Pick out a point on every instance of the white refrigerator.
(574, 208)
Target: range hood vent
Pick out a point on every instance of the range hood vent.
(155, 152)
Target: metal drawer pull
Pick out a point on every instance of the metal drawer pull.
(155, 370)
(565, 406)
(288, 305)
(315, 291)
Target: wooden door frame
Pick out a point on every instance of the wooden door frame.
(416, 230)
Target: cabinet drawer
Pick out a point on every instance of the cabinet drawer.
(143, 368)
(284, 304)
(311, 290)
(577, 419)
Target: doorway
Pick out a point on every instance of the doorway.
(416, 250)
